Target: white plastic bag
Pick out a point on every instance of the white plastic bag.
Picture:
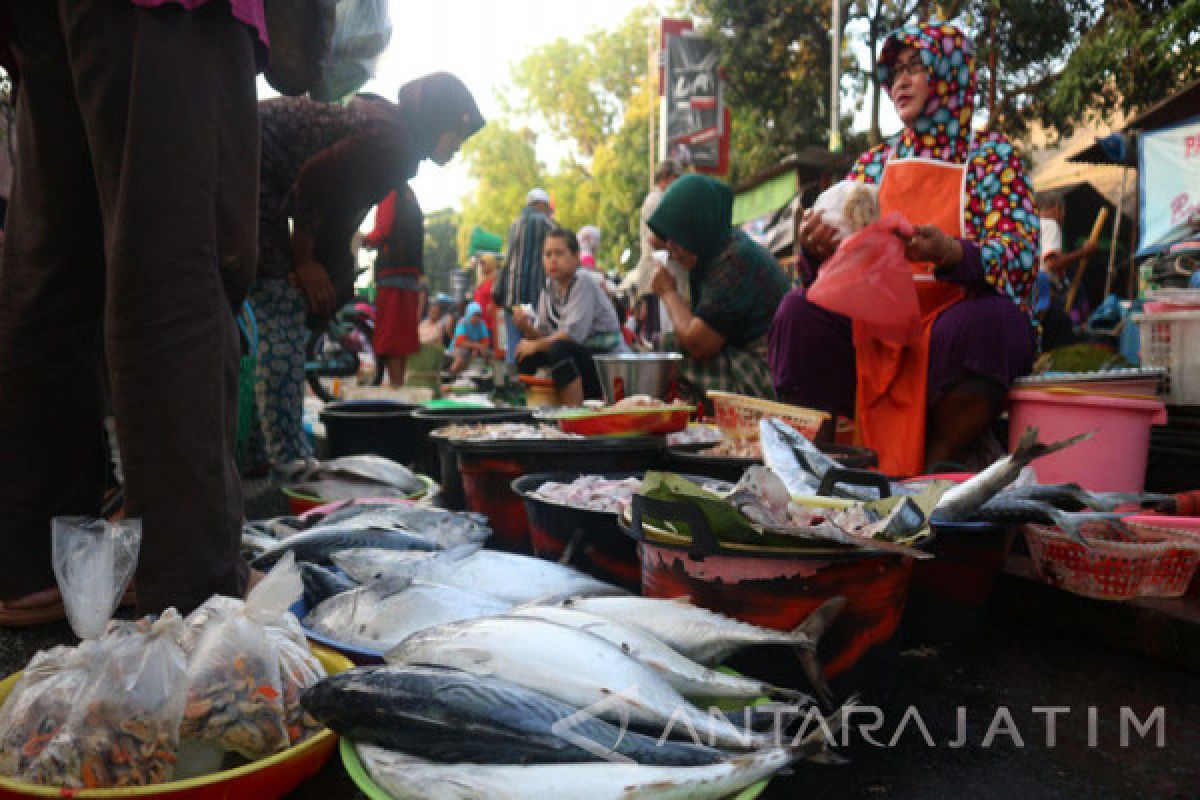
(361, 33)
(848, 206)
(93, 561)
(123, 730)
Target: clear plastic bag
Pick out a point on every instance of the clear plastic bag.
(869, 280)
(93, 561)
(298, 670)
(361, 33)
(236, 692)
(123, 730)
(40, 704)
(301, 34)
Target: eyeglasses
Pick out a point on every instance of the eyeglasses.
(915, 68)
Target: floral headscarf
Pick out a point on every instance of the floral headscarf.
(1000, 216)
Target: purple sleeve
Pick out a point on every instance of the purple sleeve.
(969, 272)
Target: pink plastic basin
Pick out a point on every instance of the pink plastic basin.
(1113, 460)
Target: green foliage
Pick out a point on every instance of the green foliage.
(441, 248)
(504, 167)
(1135, 54)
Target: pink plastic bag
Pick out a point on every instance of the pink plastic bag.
(869, 280)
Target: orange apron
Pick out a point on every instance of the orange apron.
(893, 377)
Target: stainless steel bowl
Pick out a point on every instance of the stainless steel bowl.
(625, 374)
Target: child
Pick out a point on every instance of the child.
(471, 338)
(574, 319)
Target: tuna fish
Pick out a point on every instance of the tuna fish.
(575, 667)
(690, 679)
(317, 545)
(320, 584)
(452, 716)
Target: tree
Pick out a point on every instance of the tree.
(504, 166)
(441, 249)
(1133, 54)
(882, 17)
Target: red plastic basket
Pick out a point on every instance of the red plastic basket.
(1160, 563)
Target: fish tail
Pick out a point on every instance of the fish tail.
(808, 635)
(1072, 524)
(814, 747)
(1030, 449)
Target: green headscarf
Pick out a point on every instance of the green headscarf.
(696, 213)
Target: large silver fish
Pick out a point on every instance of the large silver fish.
(690, 679)
(407, 778)
(574, 667)
(382, 615)
(798, 462)
(702, 635)
(960, 502)
(511, 577)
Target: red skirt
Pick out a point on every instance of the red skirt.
(396, 312)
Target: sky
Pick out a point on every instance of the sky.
(479, 40)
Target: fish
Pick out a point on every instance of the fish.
(573, 666)
(400, 512)
(407, 778)
(1016, 510)
(369, 564)
(317, 545)
(383, 614)
(515, 578)
(1073, 497)
(332, 490)
(798, 462)
(960, 502)
(255, 543)
(320, 584)
(448, 715)
(373, 468)
(704, 636)
(447, 528)
(690, 679)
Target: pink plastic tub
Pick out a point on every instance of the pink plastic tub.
(1113, 460)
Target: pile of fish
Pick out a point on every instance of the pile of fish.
(591, 492)
(352, 477)
(496, 431)
(600, 695)
(1005, 492)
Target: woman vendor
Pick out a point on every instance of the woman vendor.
(574, 319)
(736, 285)
(973, 255)
(324, 165)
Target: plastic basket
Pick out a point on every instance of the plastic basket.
(1172, 340)
(1161, 563)
(737, 415)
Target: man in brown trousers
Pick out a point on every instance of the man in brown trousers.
(131, 239)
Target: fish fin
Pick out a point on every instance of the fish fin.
(808, 634)
(814, 747)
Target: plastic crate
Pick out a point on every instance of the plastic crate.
(1172, 340)
(1159, 563)
(737, 415)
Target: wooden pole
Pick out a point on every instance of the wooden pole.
(1112, 251)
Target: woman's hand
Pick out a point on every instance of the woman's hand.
(314, 281)
(931, 244)
(527, 348)
(818, 238)
(663, 282)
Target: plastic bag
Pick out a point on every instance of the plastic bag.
(301, 34)
(298, 670)
(40, 704)
(848, 206)
(93, 561)
(124, 728)
(236, 693)
(361, 33)
(869, 280)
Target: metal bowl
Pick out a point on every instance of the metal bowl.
(626, 374)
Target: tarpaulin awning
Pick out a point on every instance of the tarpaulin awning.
(1175, 109)
(1169, 175)
(765, 198)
